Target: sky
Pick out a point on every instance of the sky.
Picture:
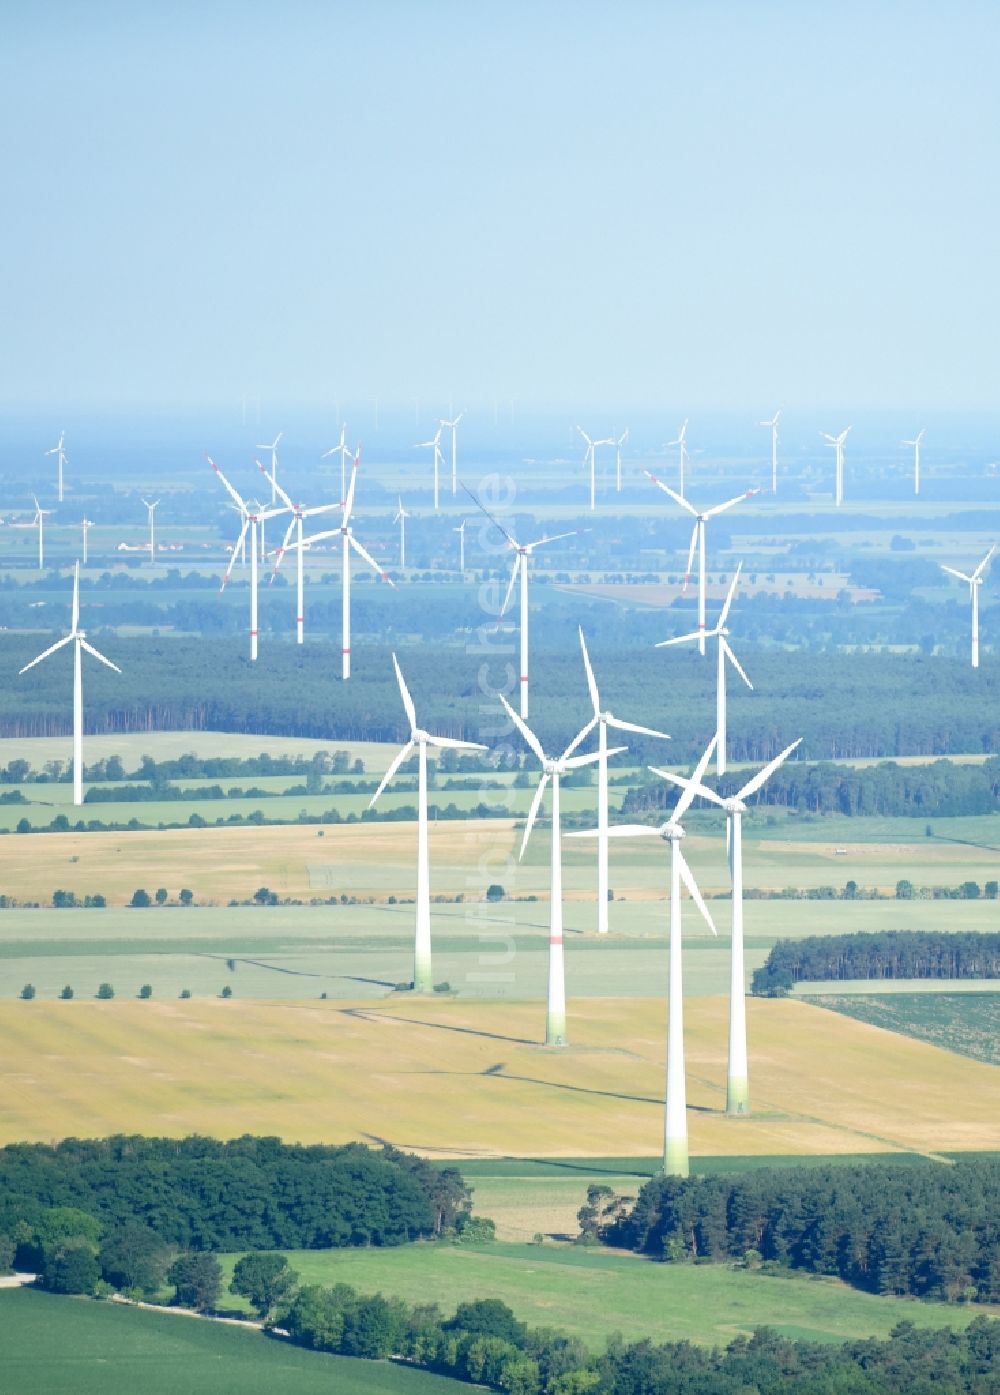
(704, 206)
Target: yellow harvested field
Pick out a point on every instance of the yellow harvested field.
(460, 1079)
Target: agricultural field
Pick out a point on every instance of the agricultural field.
(968, 1024)
(468, 1080)
(65, 1346)
(593, 1292)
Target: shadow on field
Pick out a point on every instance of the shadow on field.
(370, 1015)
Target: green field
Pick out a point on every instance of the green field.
(72, 1346)
(956, 1021)
(593, 1292)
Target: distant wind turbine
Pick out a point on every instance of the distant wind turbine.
(725, 652)
(915, 443)
(78, 638)
(400, 518)
(86, 524)
(838, 444)
(698, 541)
(618, 458)
(151, 509)
(773, 425)
(453, 428)
(589, 459)
(423, 977)
(434, 444)
(295, 525)
(273, 475)
(738, 1079)
(460, 530)
(60, 455)
(681, 440)
(253, 516)
(344, 451)
(39, 522)
(974, 580)
(552, 769)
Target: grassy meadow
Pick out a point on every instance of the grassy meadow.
(956, 1021)
(449, 1078)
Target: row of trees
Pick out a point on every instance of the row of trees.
(248, 1193)
(927, 1230)
(881, 954)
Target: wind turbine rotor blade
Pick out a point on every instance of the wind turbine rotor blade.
(76, 598)
(555, 537)
(362, 552)
(483, 509)
(762, 776)
(232, 556)
(394, 765)
(640, 731)
(283, 548)
(683, 639)
(518, 562)
(275, 485)
(735, 662)
(595, 696)
(618, 830)
(524, 729)
(404, 692)
(451, 743)
(677, 498)
(349, 501)
(96, 654)
(952, 572)
(690, 560)
(721, 508)
(581, 735)
(323, 508)
(66, 639)
(979, 570)
(533, 812)
(575, 762)
(585, 437)
(729, 598)
(229, 488)
(692, 886)
(682, 782)
(697, 779)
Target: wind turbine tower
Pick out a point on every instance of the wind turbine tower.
(838, 445)
(453, 428)
(423, 976)
(253, 517)
(589, 459)
(618, 458)
(773, 426)
(60, 455)
(343, 450)
(401, 517)
(738, 1078)
(39, 522)
(273, 475)
(86, 524)
(681, 440)
(460, 530)
(151, 509)
(295, 525)
(915, 443)
(78, 638)
(974, 580)
(552, 769)
(434, 444)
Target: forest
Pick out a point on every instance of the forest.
(883, 954)
(248, 1193)
(926, 1230)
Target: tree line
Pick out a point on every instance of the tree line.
(881, 954)
(924, 1230)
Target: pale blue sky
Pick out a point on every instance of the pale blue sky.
(704, 205)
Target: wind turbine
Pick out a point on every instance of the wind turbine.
(344, 451)
(435, 443)
(915, 443)
(773, 424)
(838, 444)
(252, 518)
(298, 514)
(675, 1131)
(460, 530)
(618, 458)
(552, 769)
(975, 580)
(60, 455)
(523, 552)
(589, 458)
(682, 442)
(423, 978)
(39, 522)
(401, 517)
(725, 652)
(602, 720)
(273, 476)
(86, 524)
(698, 541)
(152, 507)
(346, 534)
(737, 1081)
(78, 638)
(453, 427)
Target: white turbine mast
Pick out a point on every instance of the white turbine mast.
(400, 518)
(974, 580)
(348, 541)
(915, 443)
(460, 530)
(772, 425)
(698, 541)
(738, 1079)
(151, 510)
(253, 516)
(522, 553)
(838, 445)
(453, 428)
(273, 476)
(344, 451)
(619, 442)
(295, 525)
(552, 769)
(423, 977)
(86, 524)
(78, 638)
(720, 633)
(434, 444)
(675, 1130)
(589, 459)
(680, 440)
(60, 455)
(602, 720)
(39, 522)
